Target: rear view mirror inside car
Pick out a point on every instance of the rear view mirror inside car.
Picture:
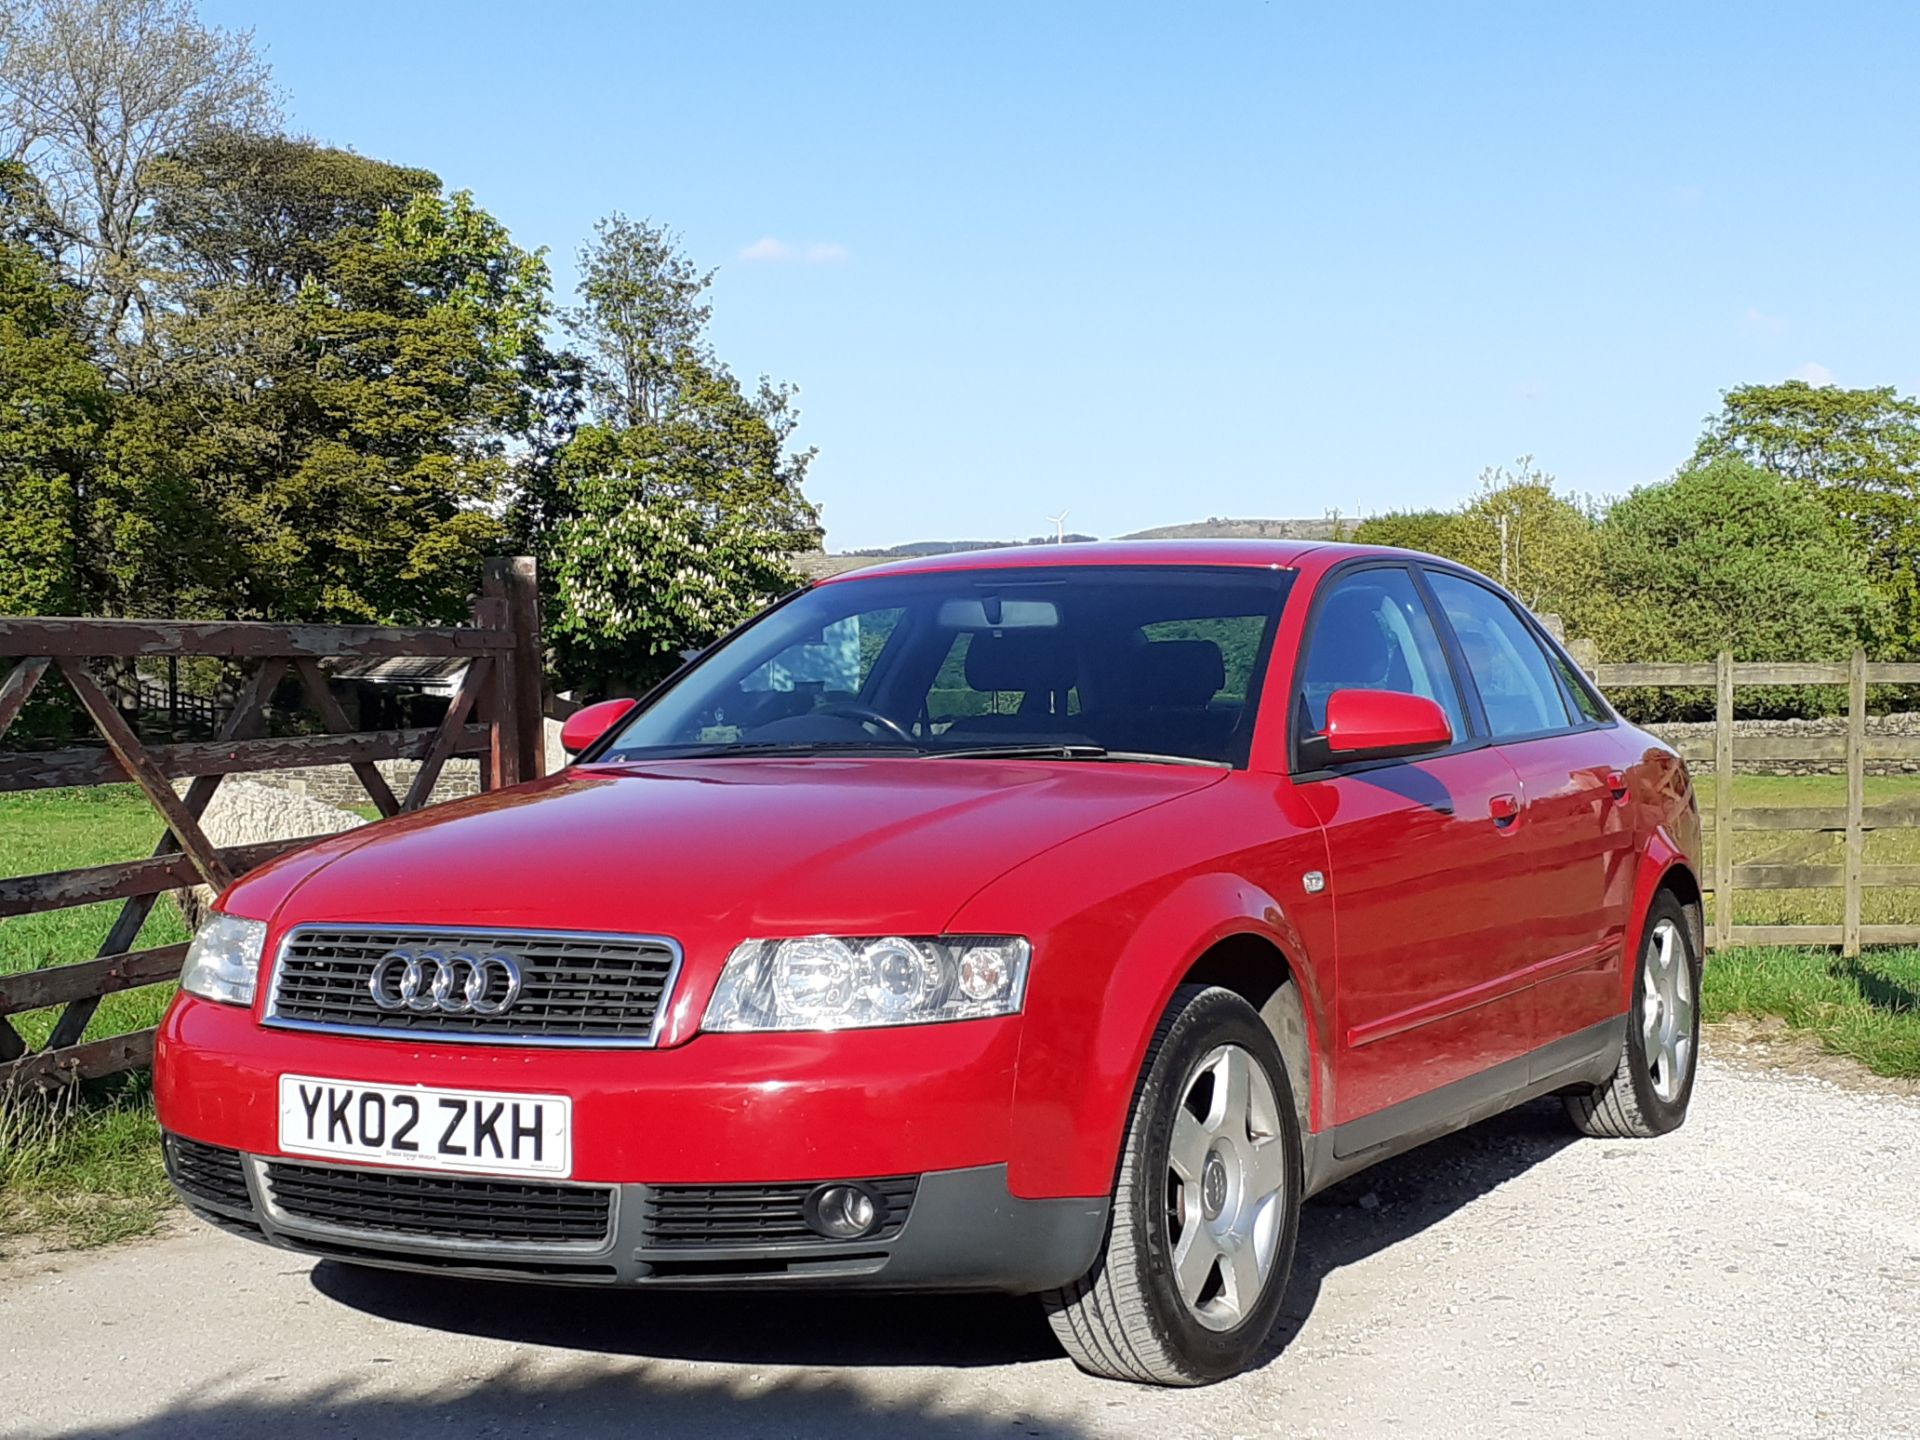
(990, 612)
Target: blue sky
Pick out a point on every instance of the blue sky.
(1159, 262)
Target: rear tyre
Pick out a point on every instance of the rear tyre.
(1206, 1209)
(1648, 1094)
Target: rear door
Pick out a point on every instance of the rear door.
(1426, 932)
(1570, 844)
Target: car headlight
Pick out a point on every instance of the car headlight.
(823, 982)
(223, 962)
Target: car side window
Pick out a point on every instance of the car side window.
(1372, 632)
(1584, 700)
(1511, 671)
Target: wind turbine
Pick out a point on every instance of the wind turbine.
(1059, 523)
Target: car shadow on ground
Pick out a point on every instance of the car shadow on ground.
(1357, 1218)
(611, 1400)
(813, 1347)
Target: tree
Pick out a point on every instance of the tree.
(673, 516)
(268, 212)
(1518, 529)
(91, 93)
(1432, 532)
(642, 313)
(1859, 451)
(53, 409)
(678, 530)
(1729, 556)
(340, 448)
(637, 583)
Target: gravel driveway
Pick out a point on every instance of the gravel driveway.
(1756, 1274)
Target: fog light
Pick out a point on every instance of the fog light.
(843, 1212)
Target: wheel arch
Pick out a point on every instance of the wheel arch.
(1679, 881)
(1257, 969)
(1090, 1022)
(1664, 869)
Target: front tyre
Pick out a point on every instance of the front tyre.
(1205, 1211)
(1649, 1092)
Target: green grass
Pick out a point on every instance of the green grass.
(1879, 905)
(1867, 1009)
(82, 1168)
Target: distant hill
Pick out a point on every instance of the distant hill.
(951, 547)
(1220, 528)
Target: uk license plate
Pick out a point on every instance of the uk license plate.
(479, 1132)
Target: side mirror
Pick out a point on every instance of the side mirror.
(583, 727)
(1381, 724)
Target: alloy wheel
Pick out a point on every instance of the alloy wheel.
(1226, 1187)
(1666, 1011)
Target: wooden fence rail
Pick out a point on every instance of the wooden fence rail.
(494, 715)
(1727, 747)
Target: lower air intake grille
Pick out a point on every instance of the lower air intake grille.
(442, 1207)
(719, 1216)
(207, 1172)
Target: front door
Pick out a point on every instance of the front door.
(1571, 840)
(1427, 935)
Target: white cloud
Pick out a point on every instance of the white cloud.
(767, 251)
(771, 251)
(1760, 323)
(1814, 373)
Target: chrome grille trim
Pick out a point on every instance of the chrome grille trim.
(479, 1030)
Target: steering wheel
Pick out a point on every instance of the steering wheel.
(867, 715)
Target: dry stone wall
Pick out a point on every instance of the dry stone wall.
(1907, 723)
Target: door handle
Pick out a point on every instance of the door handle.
(1505, 809)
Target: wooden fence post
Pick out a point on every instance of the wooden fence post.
(523, 618)
(513, 586)
(489, 706)
(1856, 799)
(1723, 802)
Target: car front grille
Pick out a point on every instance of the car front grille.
(207, 1173)
(576, 989)
(719, 1216)
(441, 1207)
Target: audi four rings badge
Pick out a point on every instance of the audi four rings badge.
(456, 984)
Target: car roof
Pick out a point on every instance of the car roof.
(1256, 554)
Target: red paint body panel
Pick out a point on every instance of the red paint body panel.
(1426, 941)
(1420, 879)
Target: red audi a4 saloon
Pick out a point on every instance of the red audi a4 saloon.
(1050, 921)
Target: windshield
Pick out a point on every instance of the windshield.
(1123, 662)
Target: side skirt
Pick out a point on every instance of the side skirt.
(1586, 1057)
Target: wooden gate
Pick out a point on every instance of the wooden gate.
(494, 715)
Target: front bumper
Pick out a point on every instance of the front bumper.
(718, 1109)
(962, 1230)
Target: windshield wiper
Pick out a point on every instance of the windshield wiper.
(1067, 752)
(764, 748)
(1023, 752)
